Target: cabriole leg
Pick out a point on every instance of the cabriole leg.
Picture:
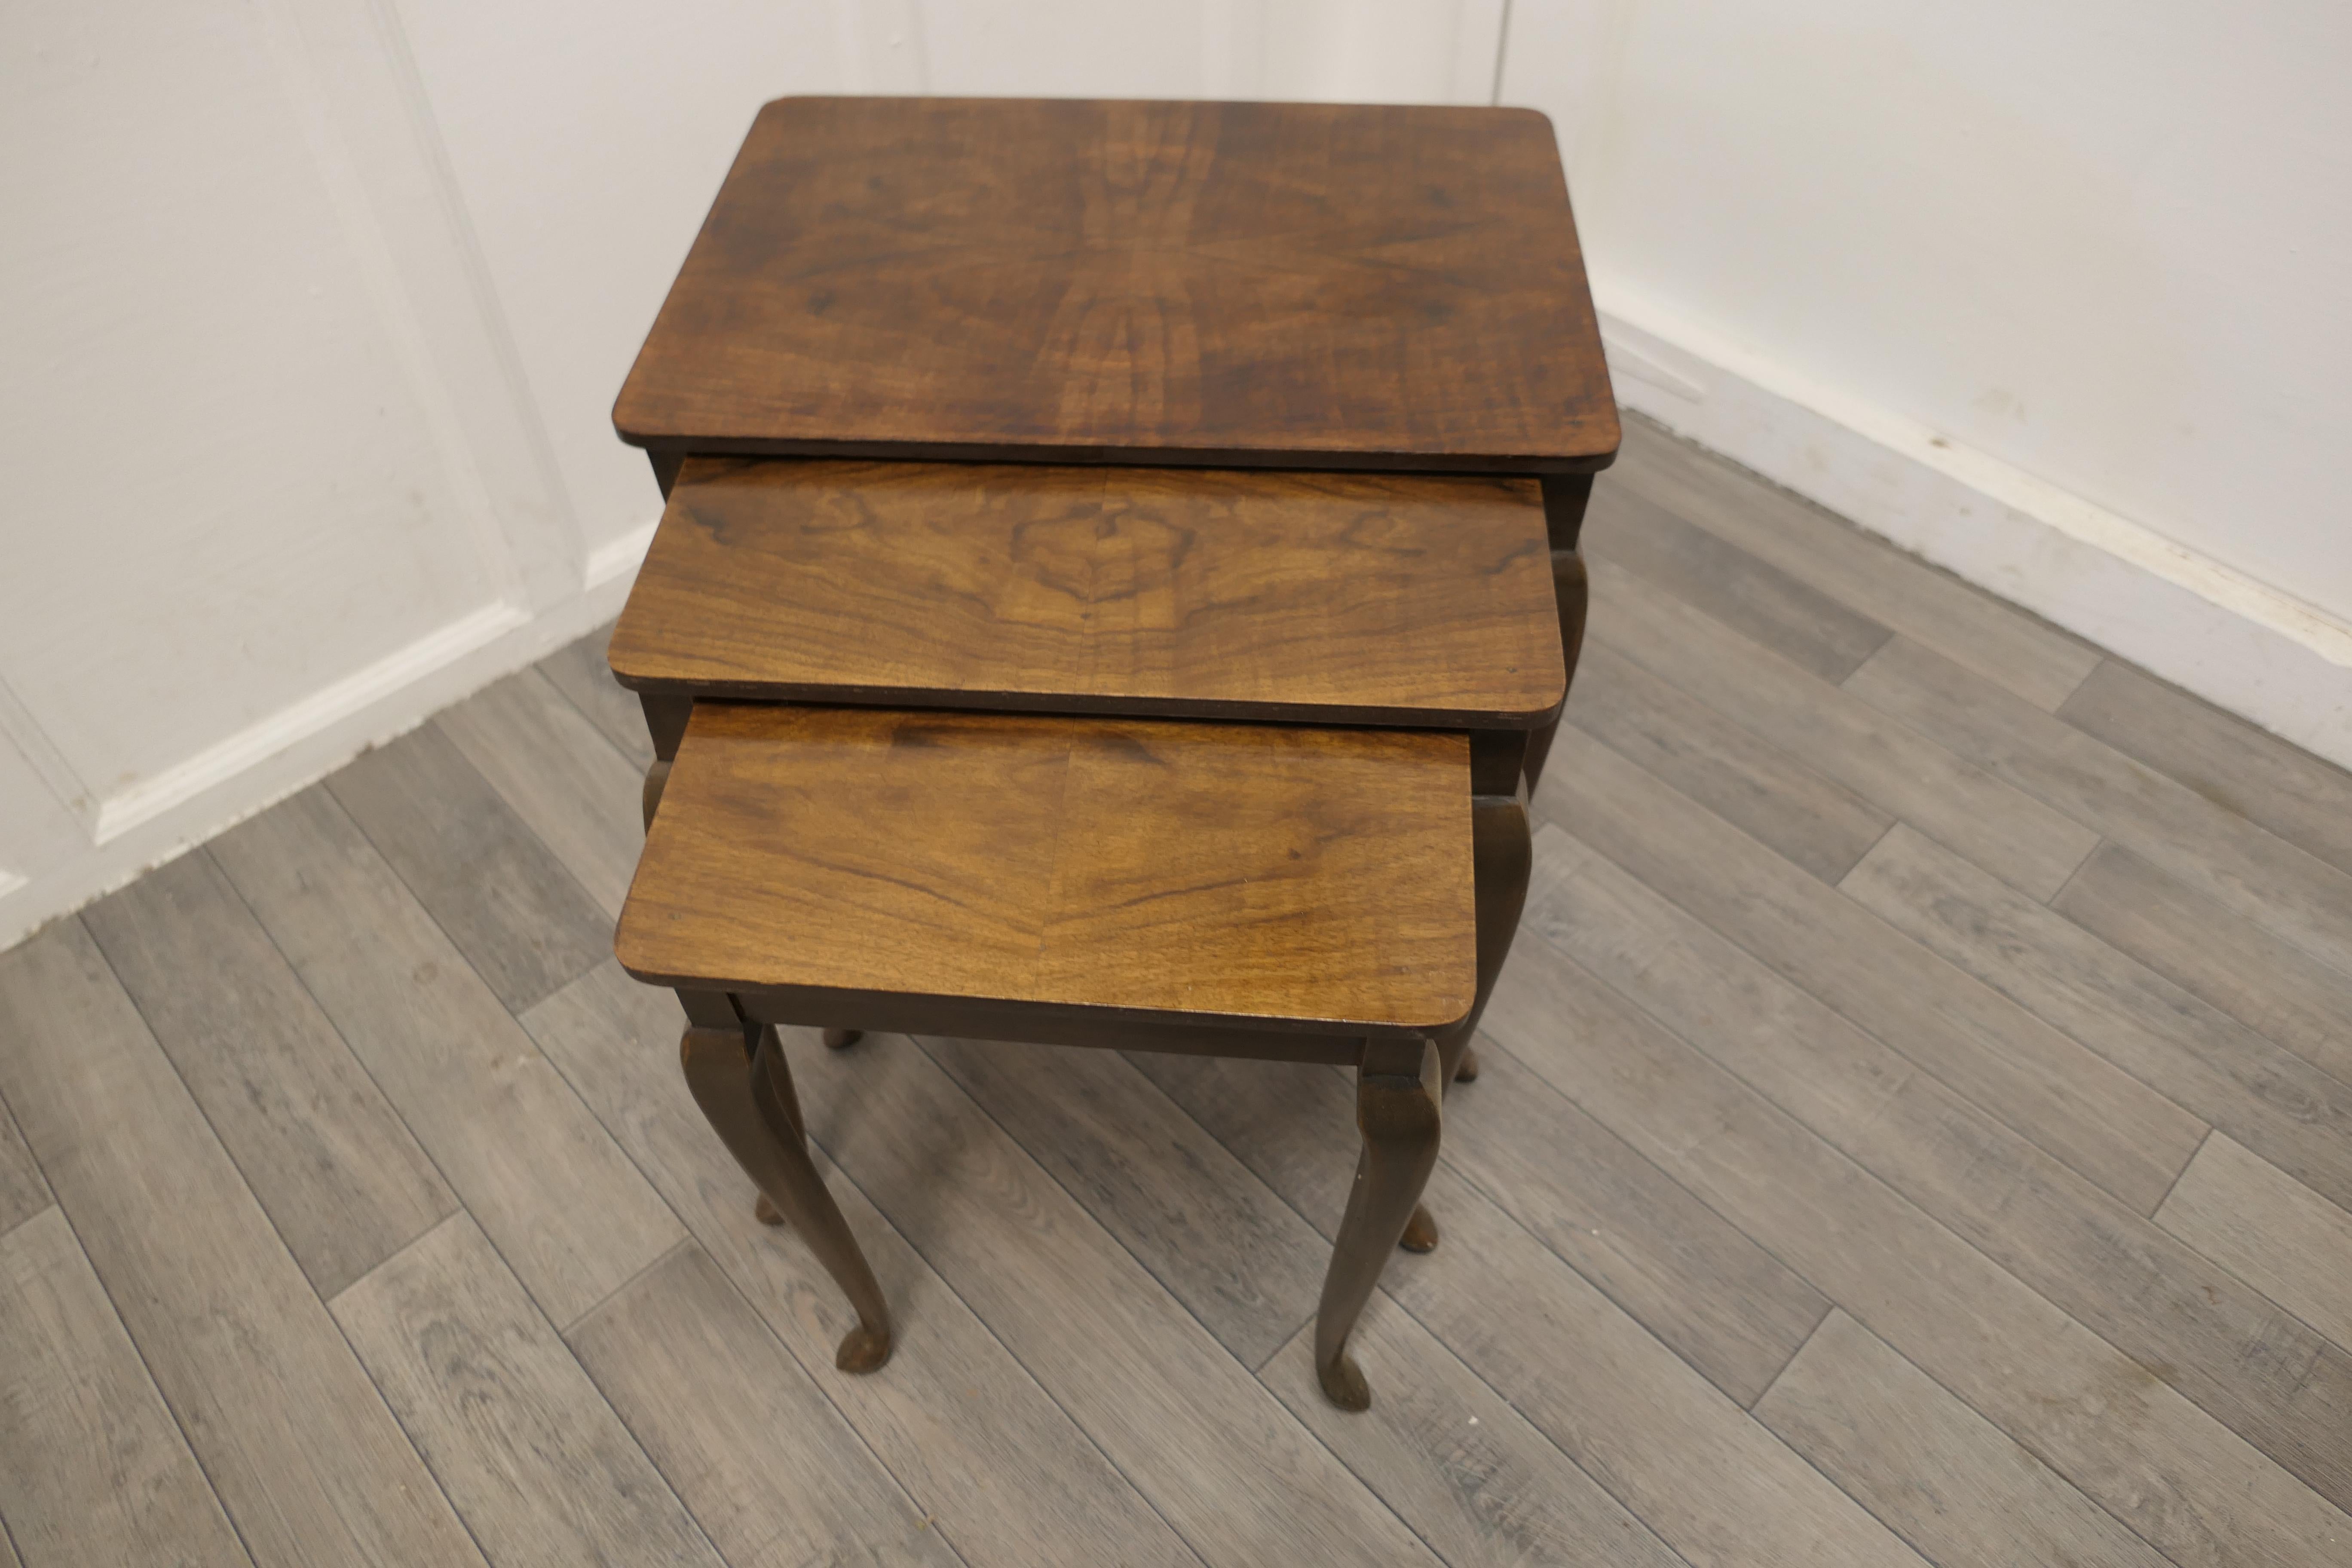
(1503, 858)
(744, 1088)
(1397, 1097)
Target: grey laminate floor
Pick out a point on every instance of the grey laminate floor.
(1916, 1124)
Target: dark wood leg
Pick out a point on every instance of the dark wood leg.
(1398, 1092)
(1503, 858)
(649, 797)
(665, 468)
(1574, 595)
(1565, 497)
(746, 1091)
(842, 1039)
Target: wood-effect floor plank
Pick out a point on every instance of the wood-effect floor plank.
(1996, 640)
(521, 920)
(23, 1193)
(540, 1469)
(294, 1437)
(557, 772)
(337, 1170)
(2248, 869)
(2262, 1094)
(578, 671)
(1799, 622)
(1721, 1303)
(1219, 1457)
(2017, 839)
(571, 1214)
(2270, 1230)
(1821, 826)
(2069, 1100)
(1665, 1442)
(758, 1454)
(92, 1466)
(2273, 987)
(1950, 1482)
(1690, 1463)
(2184, 1481)
(2238, 766)
(1216, 1238)
(2257, 1370)
(978, 1444)
(1476, 1480)
(1269, 1115)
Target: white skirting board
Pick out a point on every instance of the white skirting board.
(249, 771)
(2242, 645)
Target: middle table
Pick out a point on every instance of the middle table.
(1365, 600)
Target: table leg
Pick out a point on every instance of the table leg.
(1564, 499)
(1502, 852)
(649, 796)
(745, 1089)
(1398, 1093)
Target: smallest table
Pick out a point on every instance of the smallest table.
(1248, 890)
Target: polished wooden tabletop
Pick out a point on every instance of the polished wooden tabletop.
(1286, 285)
(1384, 599)
(1284, 878)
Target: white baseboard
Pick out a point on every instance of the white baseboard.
(220, 786)
(2264, 654)
(283, 730)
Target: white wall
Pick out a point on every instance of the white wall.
(312, 313)
(2054, 294)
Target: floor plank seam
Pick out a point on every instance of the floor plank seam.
(564, 1331)
(1395, 1305)
(1515, 1409)
(915, 1505)
(2104, 841)
(1664, 1176)
(2130, 962)
(325, 1307)
(359, 1060)
(1258, 1370)
(1623, 1502)
(2175, 1184)
(690, 1236)
(393, 1410)
(1842, 1156)
(1874, 545)
(147, 1366)
(1468, 1370)
(1917, 736)
(11, 1125)
(1087, 1210)
(1930, 1217)
(2071, 872)
(2326, 871)
(29, 1218)
(2060, 1475)
(392, 867)
(1925, 1069)
(1026, 1371)
(590, 1378)
(589, 719)
(1829, 1306)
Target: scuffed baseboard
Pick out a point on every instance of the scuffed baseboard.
(2240, 644)
(252, 771)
